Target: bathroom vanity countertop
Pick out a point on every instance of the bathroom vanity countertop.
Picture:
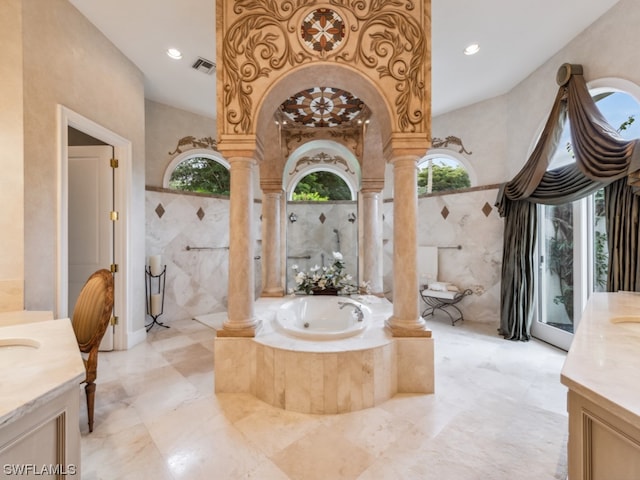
(30, 376)
(24, 316)
(603, 363)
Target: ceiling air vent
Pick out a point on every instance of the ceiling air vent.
(204, 65)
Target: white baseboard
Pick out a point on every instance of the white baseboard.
(134, 338)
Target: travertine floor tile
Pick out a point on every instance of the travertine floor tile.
(498, 413)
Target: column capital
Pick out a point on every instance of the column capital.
(404, 160)
(236, 145)
(372, 185)
(271, 185)
(241, 160)
(403, 143)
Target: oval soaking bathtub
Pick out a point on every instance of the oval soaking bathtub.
(322, 317)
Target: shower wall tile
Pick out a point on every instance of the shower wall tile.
(477, 265)
(320, 230)
(197, 280)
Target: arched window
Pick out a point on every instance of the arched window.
(321, 186)
(200, 172)
(619, 108)
(441, 172)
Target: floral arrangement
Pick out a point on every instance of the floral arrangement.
(329, 278)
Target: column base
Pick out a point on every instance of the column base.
(272, 292)
(246, 331)
(378, 294)
(403, 331)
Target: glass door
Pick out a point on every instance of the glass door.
(561, 289)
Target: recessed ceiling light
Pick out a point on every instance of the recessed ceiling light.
(472, 49)
(174, 53)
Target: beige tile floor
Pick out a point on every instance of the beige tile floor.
(498, 413)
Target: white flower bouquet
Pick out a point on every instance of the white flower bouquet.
(325, 280)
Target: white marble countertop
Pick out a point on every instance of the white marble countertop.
(24, 316)
(603, 363)
(38, 360)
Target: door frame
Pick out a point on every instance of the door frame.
(123, 194)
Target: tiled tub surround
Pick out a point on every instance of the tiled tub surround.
(324, 377)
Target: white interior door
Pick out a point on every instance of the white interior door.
(90, 224)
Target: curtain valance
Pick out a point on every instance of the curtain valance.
(602, 157)
(601, 154)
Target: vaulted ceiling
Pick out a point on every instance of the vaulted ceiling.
(515, 38)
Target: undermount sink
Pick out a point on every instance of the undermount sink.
(14, 348)
(626, 319)
(628, 322)
(19, 342)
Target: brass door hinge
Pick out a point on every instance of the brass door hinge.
(114, 267)
(114, 320)
(114, 163)
(113, 215)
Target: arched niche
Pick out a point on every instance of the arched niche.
(269, 149)
(339, 160)
(277, 160)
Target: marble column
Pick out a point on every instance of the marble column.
(241, 321)
(406, 320)
(271, 244)
(372, 240)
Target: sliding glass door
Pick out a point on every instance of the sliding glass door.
(572, 255)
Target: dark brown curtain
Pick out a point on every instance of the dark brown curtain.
(602, 156)
(623, 232)
(516, 302)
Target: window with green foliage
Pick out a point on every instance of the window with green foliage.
(202, 175)
(442, 174)
(321, 186)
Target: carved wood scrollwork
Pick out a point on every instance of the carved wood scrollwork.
(384, 38)
(450, 140)
(321, 158)
(350, 137)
